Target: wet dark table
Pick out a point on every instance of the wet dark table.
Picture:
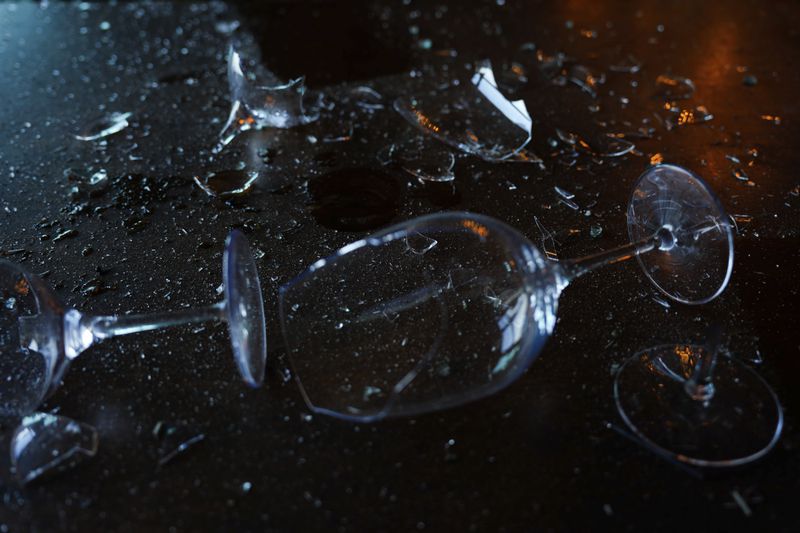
(541, 455)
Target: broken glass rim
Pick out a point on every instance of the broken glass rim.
(528, 348)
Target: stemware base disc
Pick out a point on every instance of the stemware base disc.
(740, 423)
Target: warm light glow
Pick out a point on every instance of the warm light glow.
(476, 228)
(21, 287)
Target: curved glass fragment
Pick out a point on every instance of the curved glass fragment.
(44, 444)
(258, 105)
(473, 116)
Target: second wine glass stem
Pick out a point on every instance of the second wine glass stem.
(103, 327)
(701, 385)
(574, 268)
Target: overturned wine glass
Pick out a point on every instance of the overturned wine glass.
(451, 307)
(695, 405)
(39, 337)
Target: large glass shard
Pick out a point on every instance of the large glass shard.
(45, 444)
(256, 105)
(472, 116)
(430, 313)
(426, 160)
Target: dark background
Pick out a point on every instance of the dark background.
(542, 455)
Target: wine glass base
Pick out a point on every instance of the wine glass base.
(244, 309)
(740, 423)
(692, 266)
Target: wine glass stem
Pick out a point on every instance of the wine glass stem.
(701, 385)
(103, 327)
(574, 268)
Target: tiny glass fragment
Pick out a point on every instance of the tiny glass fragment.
(45, 444)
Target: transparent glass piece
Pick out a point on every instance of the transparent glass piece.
(607, 145)
(227, 182)
(738, 422)
(44, 444)
(424, 315)
(256, 106)
(474, 117)
(675, 87)
(584, 78)
(27, 366)
(39, 337)
(696, 266)
(426, 160)
(104, 126)
(629, 64)
(368, 98)
(175, 440)
(698, 115)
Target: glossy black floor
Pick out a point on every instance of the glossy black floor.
(542, 455)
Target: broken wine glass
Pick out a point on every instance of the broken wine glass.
(39, 336)
(451, 307)
(694, 405)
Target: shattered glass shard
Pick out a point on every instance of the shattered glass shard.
(104, 126)
(45, 444)
(255, 106)
(474, 117)
(630, 65)
(698, 115)
(584, 78)
(227, 182)
(175, 439)
(607, 145)
(675, 87)
(426, 160)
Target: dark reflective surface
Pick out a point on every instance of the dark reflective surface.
(540, 454)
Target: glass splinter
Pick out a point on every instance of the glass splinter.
(104, 126)
(675, 87)
(227, 182)
(44, 444)
(39, 337)
(426, 160)
(175, 440)
(474, 117)
(462, 303)
(256, 106)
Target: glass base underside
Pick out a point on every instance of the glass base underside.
(741, 422)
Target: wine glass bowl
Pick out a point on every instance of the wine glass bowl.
(426, 314)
